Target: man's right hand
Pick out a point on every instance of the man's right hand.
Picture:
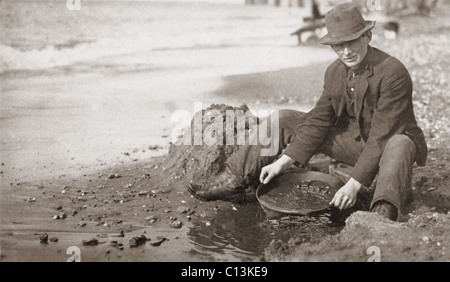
(271, 171)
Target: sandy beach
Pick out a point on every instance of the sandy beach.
(84, 144)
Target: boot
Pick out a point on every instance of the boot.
(386, 209)
(226, 188)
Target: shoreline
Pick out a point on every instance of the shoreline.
(105, 206)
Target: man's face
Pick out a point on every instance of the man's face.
(352, 53)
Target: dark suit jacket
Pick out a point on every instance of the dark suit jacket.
(383, 106)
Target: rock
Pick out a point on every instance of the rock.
(58, 208)
(431, 189)
(159, 240)
(183, 209)
(167, 210)
(60, 216)
(90, 242)
(121, 234)
(114, 176)
(143, 193)
(30, 200)
(54, 239)
(44, 238)
(137, 241)
(176, 224)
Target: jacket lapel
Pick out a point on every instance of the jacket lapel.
(338, 99)
(363, 84)
(361, 89)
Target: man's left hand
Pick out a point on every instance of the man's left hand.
(345, 197)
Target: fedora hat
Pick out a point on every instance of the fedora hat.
(344, 23)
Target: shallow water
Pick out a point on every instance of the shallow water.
(243, 235)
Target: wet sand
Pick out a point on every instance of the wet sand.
(73, 141)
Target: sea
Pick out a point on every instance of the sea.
(148, 35)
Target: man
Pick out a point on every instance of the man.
(364, 118)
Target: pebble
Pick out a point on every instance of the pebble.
(167, 210)
(159, 240)
(183, 209)
(121, 234)
(54, 239)
(431, 189)
(114, 176)
(30, 200)
(44, 238)
(152, 217)
(142, 193)
(137, 241)
(90, 242)
(176, 224)
(61, 216)
(58, 208)
(426, 239)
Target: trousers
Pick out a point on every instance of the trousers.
(393, 182)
